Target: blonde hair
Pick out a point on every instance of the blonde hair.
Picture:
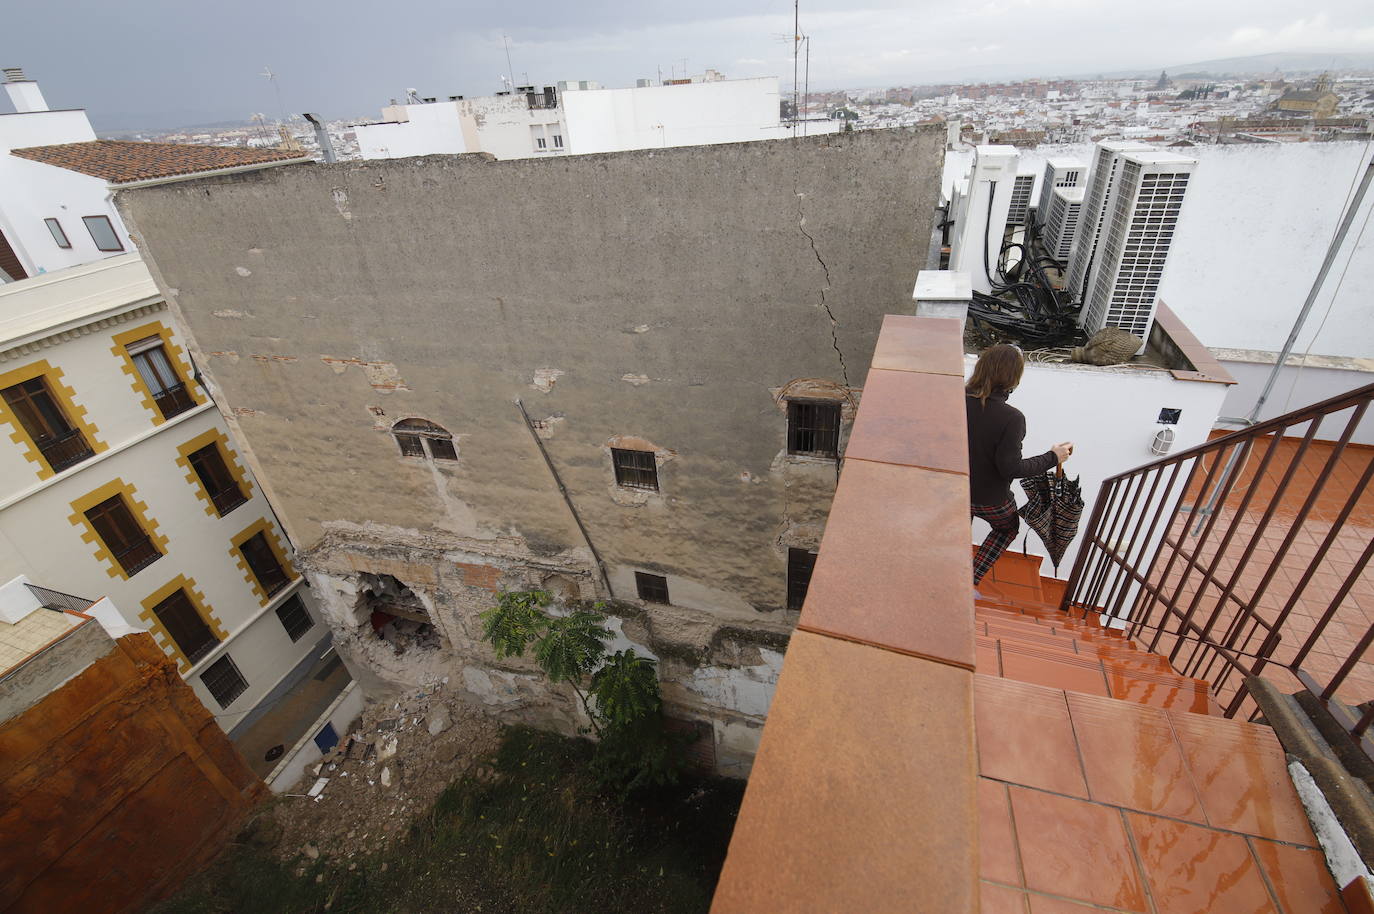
(998, 372)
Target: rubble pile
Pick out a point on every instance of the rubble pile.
(392, 765)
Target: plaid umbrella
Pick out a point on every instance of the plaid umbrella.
(1053, 506)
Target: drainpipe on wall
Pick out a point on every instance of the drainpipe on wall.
(322, 137)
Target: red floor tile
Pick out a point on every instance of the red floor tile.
(1043, 904)
(1197, 870)
(1132, 759)
(1242, 778)
(1299, 878)
(1076, 849)
(997, 842)
(1077, 675)
(1024, 736)
(1000, 899)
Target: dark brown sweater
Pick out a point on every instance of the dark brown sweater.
(995, 432)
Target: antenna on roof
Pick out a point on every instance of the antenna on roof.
(276, 87)
(509, 69)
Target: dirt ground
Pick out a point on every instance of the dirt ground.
(393, 764)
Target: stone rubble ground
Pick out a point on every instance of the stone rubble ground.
(391, 767)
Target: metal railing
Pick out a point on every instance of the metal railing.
(56, 599)
(65, 450)
(1244, 556)
(173, 400)
(227, 499)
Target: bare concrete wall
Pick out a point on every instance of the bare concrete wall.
(668, 299)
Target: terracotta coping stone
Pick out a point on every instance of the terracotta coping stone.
(1206, 366)
(864, 791)
(863, 795)
(928, 344)
(913, 419)
(893, 569)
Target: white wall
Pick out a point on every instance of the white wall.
(1252, 235)
(31, 192)
(725, 111)
(39, 538)
(430, 129)
(1110, 416)
(1296, 388)
(502, 125)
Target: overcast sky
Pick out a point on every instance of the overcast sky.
(177, 62)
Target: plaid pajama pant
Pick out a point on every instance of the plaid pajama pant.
(1005, 524)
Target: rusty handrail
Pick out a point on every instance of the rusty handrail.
(1167, 547)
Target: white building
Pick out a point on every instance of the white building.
(57, 181)
(118, 479)
(579, 118)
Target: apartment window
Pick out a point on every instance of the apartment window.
(122, 535)
(799, 566)
(537, 135)
(653, 588)
(102, 233)
(813, 428)
(38, 412)
(263, 563)
(413, 436)
(219, 483)
(58, 234)
(167, 389)
(294, 617)
(635, 469)
(558, 141)
(185, 626)
(224, 681)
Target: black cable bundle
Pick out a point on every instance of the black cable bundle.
(1024, 305)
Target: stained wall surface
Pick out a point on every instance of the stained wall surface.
(661, 300)
(118, 784)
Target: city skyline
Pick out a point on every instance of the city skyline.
(342, 61)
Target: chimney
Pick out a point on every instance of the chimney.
(24, 94)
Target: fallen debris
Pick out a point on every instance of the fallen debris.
(391, 766)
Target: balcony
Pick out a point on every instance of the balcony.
(174, 400)
(137, 556)
(227, 499)
(924, 752)
(65, 450)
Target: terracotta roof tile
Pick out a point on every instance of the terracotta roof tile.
(123, 161)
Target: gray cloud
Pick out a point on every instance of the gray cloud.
(161, 63)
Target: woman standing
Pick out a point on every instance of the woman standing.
(995, 432)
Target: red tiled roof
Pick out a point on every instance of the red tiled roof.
(123, 161)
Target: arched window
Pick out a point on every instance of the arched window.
(413, 435)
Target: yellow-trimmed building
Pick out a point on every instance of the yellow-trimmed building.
(118, 478)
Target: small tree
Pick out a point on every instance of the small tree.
(619, 693)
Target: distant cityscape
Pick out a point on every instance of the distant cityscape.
(1183, 110)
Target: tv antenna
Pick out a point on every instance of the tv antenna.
(505, 39)
(276, 88)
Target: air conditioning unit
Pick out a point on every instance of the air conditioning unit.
(1059, 172)
(1122, 287)
(1020, 198)
(1097, 201)
(1061, 225)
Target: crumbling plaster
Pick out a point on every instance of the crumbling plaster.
(671, 296)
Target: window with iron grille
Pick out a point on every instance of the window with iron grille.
(813, 428)
(219, 483)
(224, 681)
(39, 413)
(414, 435)
(122, 535)
(185, 626)
(294, 617)
(263, 562)
(168, 390)
(799, 566)
(653, 588)
(635, 469)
